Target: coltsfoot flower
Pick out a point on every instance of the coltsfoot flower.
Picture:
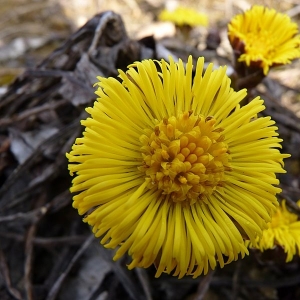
(262, 38)
(183, 16)
(283, 231)
(172, 170)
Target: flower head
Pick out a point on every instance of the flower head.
(283, 231)
(172, 170)
(262, 37)
(184, 16)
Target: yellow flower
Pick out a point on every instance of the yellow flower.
(184, 16)
(284, 231)
(172, 170)
(264, 38)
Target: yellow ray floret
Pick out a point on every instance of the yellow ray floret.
(264, 37)
(172, 170)
(283, 231)
(184, 16)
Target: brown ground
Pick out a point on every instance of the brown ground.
(46, 252)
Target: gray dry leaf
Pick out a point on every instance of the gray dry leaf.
(23, 144)
(92, 271)
(40, 116)
(78, 88)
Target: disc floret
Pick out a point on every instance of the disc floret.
(185, 156)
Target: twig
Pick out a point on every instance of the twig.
(287, 190)
(32, 111)
(293, 205)
(48, 242)
(60, 201)
(56, 204)
(108, 16)
(21, 169)
(293, 12)
(28, 261)
(235, 280)
(121, 273)
(30, 216)
(5, 272)
(204, 285)
(29, 250)
(57, 285)
(286, 281)
(142, 275)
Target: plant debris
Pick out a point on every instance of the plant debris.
(46, 252)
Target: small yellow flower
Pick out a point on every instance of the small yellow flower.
(283, 231)
(184, 16)
(172, 170)
(264, 38)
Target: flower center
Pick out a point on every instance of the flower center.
(185, 157)
(260, 44)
